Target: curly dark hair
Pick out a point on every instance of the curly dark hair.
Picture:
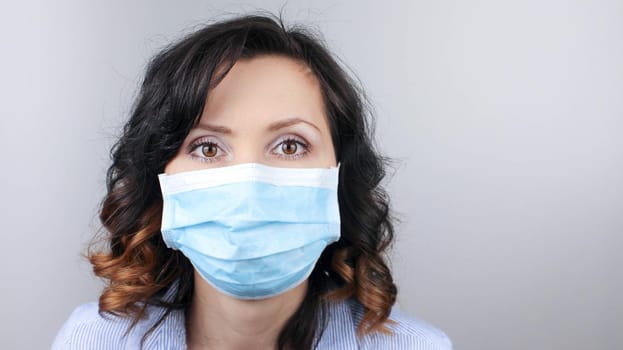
(137, 265)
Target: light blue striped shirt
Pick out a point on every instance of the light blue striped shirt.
(86, 329)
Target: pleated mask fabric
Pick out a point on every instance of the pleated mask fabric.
(251, 230)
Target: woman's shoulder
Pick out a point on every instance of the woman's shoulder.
(407, 332)
(416, 332)
(85, 324)
(86, 328)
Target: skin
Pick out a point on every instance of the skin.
(265, 110)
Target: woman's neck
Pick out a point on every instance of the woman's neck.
(219, 321)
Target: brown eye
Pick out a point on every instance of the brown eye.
(209, 150)
(289, 147)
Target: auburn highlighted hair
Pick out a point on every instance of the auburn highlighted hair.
(136, 264)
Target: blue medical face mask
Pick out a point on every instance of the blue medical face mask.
(250, 230)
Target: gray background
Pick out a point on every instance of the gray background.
(505, 118)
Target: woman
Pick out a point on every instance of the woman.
(244, 209)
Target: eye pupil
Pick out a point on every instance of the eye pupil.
(208, 150)
(289, 147)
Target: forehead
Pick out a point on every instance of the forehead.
(263, 89)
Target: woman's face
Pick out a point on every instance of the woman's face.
(268, 110)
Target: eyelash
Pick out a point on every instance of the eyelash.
(206, 142)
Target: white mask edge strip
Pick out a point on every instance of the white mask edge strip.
(205, 178)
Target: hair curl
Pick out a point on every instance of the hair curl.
(137, 265)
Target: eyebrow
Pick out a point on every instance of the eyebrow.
(280, 124)
(215, 128)
(287, 122)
